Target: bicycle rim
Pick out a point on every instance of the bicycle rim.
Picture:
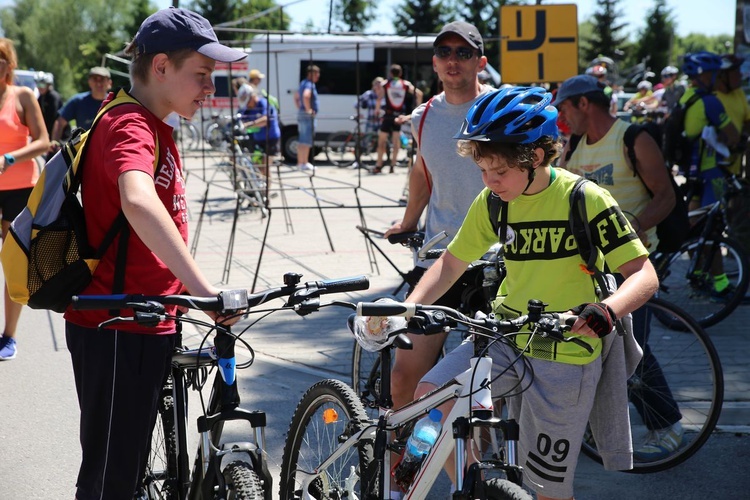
(693, 375)
(328, 414)
(692, 289)
(160, 480)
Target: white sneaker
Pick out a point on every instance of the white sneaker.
(660, 443)
(307, 167)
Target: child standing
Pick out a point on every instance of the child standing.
(119, 372)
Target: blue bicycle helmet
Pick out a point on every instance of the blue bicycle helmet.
(517, 115)
(697, 63)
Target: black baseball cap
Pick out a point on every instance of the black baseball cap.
(467, 31)
(176, 28)
(577, 85)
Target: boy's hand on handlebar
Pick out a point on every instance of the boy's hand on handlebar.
(594, 319)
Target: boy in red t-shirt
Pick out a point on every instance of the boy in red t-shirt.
(119, 372)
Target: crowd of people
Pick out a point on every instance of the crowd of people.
(510, 142)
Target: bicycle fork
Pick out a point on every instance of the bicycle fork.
(481, 417)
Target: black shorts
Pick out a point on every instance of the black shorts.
(389, 124)
(272, 149)
(13, 201)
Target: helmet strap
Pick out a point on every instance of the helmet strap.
(532, 175)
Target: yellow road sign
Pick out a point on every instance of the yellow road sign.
(538, 43)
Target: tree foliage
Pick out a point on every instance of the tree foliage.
(353, 15)
(654, 45)
(607, 36)
(67, 37)
(420, 16)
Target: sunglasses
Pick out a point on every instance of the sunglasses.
(463, 53)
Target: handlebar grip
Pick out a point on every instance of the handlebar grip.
(434, 254)
(404, 237)
(350, 284)
(405, 309)
(93, 302)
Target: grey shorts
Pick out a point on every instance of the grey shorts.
(551, 401)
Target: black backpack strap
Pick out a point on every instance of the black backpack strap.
(498, 216)
(572, 145)
(578, 220)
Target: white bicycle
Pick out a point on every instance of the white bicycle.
(333, 450)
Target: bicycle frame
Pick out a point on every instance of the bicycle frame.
(470, 391)
(222, 407)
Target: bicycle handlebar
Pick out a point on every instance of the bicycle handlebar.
(437, 318)
(227, 300)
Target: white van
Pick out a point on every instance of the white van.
(348, 65)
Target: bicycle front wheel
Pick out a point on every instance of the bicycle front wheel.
(680, 374)
(328, 414)
(689, 284)
(161, 481)
(340, 149)
(242, 482)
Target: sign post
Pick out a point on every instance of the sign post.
(538, 43)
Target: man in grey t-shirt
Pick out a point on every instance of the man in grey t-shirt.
(441, 180)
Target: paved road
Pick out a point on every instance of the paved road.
(316, 237)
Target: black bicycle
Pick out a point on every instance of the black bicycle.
(221, 469)
(480, 283)
(686, 277)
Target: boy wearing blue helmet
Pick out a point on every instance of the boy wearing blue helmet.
(511, 134)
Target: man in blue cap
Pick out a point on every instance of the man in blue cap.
(132, 167)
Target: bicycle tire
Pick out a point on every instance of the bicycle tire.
(503, 489)
(694, 293)
(242, 482)
(693, 373)
(340, 149)
(215, 135)
(161, 477)
(187, 135)
(328, 413)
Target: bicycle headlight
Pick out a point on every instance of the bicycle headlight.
(374, 333)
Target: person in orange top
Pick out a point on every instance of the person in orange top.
(23, 136)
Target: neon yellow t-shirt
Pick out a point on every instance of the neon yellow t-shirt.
(736, 105)
(542, 258)
(704, 112)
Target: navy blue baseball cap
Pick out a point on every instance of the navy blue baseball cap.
(577, 85)
(176, 28)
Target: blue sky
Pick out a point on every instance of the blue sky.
(692, 16)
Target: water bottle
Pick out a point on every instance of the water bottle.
(404, 140)
(425, 434)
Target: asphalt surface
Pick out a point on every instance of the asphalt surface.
(311, 231)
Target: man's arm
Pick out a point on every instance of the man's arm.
(419, 196)
(650, 165)
(307, 101)
(58, 127)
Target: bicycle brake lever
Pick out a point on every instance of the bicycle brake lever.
(422, 254)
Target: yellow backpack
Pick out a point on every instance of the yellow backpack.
(46, 257)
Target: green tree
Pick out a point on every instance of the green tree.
(419, 16)
(67, 37)
(353, 15)
(607, 37)
(216, 11)
(695, 42)
(655, 40)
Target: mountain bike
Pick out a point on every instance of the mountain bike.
(694, 380)
(341, 147)
(187, 135)
(686, 277)
(334, 451)
(221, 469)
(480, 283)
